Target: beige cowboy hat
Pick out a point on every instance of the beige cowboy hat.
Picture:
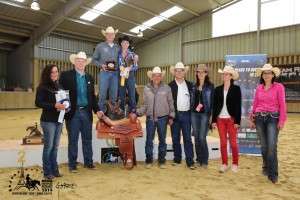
(230, 70)
(109, 29)
(268, 67)
(156, 70)
(179, 65)
(81, 55)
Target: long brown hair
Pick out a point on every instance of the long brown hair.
(206, 79)
(46, 73)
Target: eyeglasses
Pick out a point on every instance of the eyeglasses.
(267, 73)
(179, 70)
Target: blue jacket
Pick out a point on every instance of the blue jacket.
(208, 91)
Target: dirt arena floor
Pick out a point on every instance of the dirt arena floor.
(111, 181)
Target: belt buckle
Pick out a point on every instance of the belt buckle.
(263, 114)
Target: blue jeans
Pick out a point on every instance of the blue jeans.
(200, 123)
(266, 127)
(183, 123)
(80, 123)
(161, 126)
(130, 87)
(108, 81)
(52, 132)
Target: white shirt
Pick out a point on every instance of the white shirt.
(224, 112)
(183, 97)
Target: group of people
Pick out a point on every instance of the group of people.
(181, 104)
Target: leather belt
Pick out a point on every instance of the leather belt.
(181, 112)
(81, 107)
(266, 113)
(148, 117)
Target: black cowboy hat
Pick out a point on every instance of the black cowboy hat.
(126, 38)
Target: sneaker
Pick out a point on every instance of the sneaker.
(192, 167)
(204, 166)
(148, 165)
(175, 163)
(93, 167)
(223, 168)
(58, 175)
(72, 169)
(234, 168)
(199, 164)
(163, 165)
(51, 177)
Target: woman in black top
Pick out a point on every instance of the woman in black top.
(45, 99)
(227, 115)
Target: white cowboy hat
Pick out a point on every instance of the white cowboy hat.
(179, 65)
(109, 29)
(156, 70)
(268, 67)
(230, 70)
(81, 55)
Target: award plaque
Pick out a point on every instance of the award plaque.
(111, 65)
(35, 136)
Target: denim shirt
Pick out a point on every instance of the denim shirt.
(208, 91)
(103, 52)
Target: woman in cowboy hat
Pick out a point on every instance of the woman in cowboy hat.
(159, 108)
(202, 106)
(127, 68)
(227, 115)
(269, 116)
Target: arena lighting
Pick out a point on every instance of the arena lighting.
(35, 5)
(140, 33)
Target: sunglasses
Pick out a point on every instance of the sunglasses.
(267, 73)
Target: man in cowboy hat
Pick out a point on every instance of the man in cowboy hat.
(159, 109)
(181, 91)
(83, 101)
(106, 58)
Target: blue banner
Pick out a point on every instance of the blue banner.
(246, 65)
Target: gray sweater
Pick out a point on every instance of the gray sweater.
(157, 103)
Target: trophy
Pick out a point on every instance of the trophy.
(111, 65)
(35, 136)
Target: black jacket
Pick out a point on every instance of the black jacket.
(69, 82)
(45, 99)
(174, 88)
(233, 102)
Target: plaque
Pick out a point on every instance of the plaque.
(35, 136)
(111, 65)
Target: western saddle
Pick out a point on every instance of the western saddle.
(123, 131)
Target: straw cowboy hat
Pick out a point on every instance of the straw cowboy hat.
(268, 67)
(81, 55)
(109, 29)
(156, 70)
(202, 67)
(230, 70)
(179, 65)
